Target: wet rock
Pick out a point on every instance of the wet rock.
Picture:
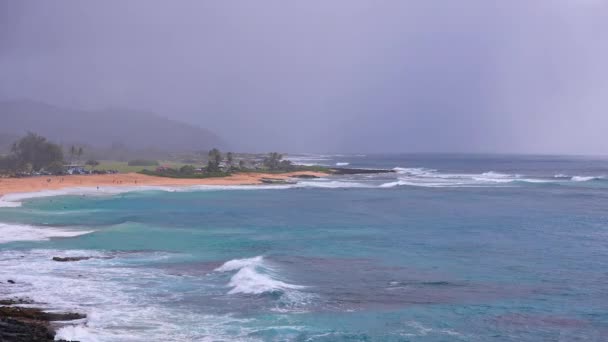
(14, 301)
(37, 314)
(19, 324)
(66, 259)
(10, 281)
(14, 330)
(305, 176)
(276, 181)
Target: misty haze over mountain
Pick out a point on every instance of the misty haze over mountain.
(103, 128)
(319, 76)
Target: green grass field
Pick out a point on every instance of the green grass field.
(123, 167)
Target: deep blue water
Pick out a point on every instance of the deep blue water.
(449, 248)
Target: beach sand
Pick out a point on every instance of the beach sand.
(42, 183)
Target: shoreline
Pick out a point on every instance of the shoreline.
(21, 321)
(13, 187)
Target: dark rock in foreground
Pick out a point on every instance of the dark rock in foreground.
(37, 314)
(13, 330)
(347, 171)
(15, 301)
(66, 259)
(20, 324)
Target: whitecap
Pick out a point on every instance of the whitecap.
(15, 199)
(342, 164)
(492, 174)
(584, 178)
(414, 170)
(15, 232)
(118, 299)
(75, 333)
(423, 177)
(331, 184)
(254, 276)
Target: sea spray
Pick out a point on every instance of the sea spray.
(254, 276)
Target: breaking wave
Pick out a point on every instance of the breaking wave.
(585, 178)
(121, 301)
(15, 199)
(15, 232)
(423, 177)
(254, 276)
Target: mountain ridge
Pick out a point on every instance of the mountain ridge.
(103, 128)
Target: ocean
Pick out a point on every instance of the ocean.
(447, 248)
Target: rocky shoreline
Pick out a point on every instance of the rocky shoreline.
(19, 322)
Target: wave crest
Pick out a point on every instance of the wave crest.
(585, 178)
(254, 276)
(15, 232)
(423, 177)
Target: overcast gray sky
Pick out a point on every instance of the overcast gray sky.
(321, 75)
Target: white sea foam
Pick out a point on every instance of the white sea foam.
(16, 232)
(414, 170)
(237, 264)
(6, 204)
(309, 160)
(585, 178)
(254, 276)
(15, 199)
(342, 164)
(75, 333)
(423, 177)
(122, 303)
(331, 184)
(492, 174)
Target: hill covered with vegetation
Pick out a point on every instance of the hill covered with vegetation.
(106, 130)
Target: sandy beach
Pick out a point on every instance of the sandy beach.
(35, 184)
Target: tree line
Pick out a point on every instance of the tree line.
(273, 162)
(34, 153)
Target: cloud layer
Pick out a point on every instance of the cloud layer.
(347, 75)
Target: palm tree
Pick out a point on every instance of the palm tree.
(79, 153)
(72, 153)
(215, 158)
(273, 160)
(229, 159)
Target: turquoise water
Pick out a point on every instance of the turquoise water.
(449, 248)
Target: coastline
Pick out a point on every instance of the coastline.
(17, 186)
(20, 321)
(20, 318)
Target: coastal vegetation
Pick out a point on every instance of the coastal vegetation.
(142, 162)
(220, 166)
(32, 153)
(92, 163)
